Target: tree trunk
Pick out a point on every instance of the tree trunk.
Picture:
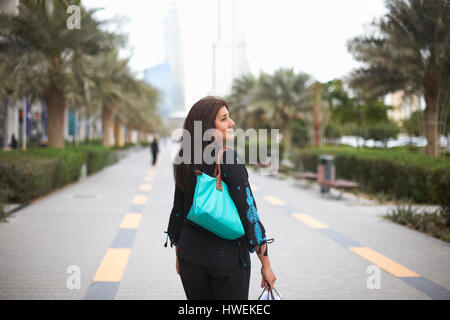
(316, 122)
(431, 128)
(87, 101)
(106, 125)
(286, 134)
(118, 133)
(56, 106)
(432, 92)
(129, 134)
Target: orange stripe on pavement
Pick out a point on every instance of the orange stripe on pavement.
(274, 201)
(310, 221)
(113, 265)
(140, 199)
(145, 187)
(383, 262)
(131, 221)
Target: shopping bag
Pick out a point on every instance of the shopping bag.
(267, 294)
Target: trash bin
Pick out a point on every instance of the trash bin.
(325, 171)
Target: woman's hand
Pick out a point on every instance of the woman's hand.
(178, 266)
(267, 275)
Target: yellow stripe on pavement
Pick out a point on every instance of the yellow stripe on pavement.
(113, 265)
(383, 262)
(140, 199)
(310, 221)
(131, 221)
(145, 187)
(274, 201)
(148, 178)
(254, 187)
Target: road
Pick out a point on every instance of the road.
(102, 238)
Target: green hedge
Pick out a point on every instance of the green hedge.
(98, 157)
(125, 146)
(36, 172)
(399, 173)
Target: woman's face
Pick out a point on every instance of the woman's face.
(224, 124)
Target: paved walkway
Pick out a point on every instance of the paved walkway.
(107, 232)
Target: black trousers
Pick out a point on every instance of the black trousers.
(154, 156)
(201, 283)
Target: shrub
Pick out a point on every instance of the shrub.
(436, 223)
(398, 173)
(381, 131)
(4, 192)
(35, 172)
(97, 156)
(29, 176)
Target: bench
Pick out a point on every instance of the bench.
(309, 176)
(326, 183)
(306, 175)
(341, 185)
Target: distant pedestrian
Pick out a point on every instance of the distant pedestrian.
(154, 149)
(13, 143)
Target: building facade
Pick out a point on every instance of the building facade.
(403, 105)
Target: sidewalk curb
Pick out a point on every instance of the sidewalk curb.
(15, 209)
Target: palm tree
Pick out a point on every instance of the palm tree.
(36, 57)
(409, 51)
(139, 110)
(283, 96)
(111, 82)
(239, 98)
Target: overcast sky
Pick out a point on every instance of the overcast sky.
(309, 35)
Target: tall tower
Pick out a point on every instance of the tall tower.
(229, 50)
(238, 40)
(174, 56)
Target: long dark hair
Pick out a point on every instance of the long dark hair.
(204, 110)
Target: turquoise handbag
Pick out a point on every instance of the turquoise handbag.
(212, 207)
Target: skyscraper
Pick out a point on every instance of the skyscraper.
(174, 56)
(168, 77)
(229, 51)
(160, 77)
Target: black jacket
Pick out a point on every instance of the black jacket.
(154, 147)
(203, 247)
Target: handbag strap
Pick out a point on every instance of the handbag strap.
(217, 174)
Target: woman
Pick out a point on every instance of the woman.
(212, 267)
(154, 147)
